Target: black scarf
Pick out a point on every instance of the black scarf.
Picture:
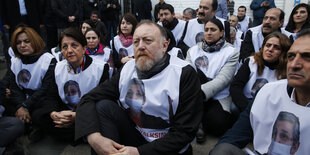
(214, 46)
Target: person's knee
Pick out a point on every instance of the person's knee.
(105, 106)
(226, 148)
(14, 128)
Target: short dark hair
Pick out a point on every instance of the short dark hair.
(242, 6)
(167, 7)
(149, 22)
(190, 11)
(282, 14)
(93, 29)
(89, 22)
(214, 5)
(73, 33)
(95, 12)
(217, 22)
(170, 36)
(129, 18)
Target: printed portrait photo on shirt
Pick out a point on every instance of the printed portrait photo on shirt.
(123, 52)
(259, 83)
(285, 135)
(202, 63)
(199, 37)
(135, 98)
(23, 78)
(72, 93)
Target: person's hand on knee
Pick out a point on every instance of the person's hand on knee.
(103, 145)
(128, 150)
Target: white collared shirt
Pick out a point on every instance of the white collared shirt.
(22, 7)
(293, 98)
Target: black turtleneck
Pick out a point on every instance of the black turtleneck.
(271, 65)
(30, 59)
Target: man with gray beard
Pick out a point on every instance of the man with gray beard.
(153, 106)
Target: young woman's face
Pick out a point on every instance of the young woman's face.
(23, 45)
(272, 50)
(126, 27)
(85, 26)
(92, 40)
(301, 15)
(212, 33)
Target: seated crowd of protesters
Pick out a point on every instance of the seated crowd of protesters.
(156, 87)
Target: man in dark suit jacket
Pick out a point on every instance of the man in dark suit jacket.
(142, 9)
(67, 12)
(12, 14)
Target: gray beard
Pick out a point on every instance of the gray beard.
(146, 66)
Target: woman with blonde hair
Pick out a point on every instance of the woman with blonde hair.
(30, 74)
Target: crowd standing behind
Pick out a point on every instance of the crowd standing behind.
(152, 87)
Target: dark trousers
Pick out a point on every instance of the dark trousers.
(226, 148)
(10, 129)
(44, 122)
(111, 28)
(216, 120)
(116, 124)
(51, 37)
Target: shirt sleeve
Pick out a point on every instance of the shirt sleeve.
(185, 121)
(237, 85)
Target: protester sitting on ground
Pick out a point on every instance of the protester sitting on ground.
(73, 77)
(216, 61)
(30, 75)
(121, 44)
(10, 127)
(154, 106)
(277, 121)
(86, 24)
(94, 47)
(299, 19)
(268, 65)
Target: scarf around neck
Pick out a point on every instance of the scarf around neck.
(98, 50)
(213, 47)
(126, 41)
